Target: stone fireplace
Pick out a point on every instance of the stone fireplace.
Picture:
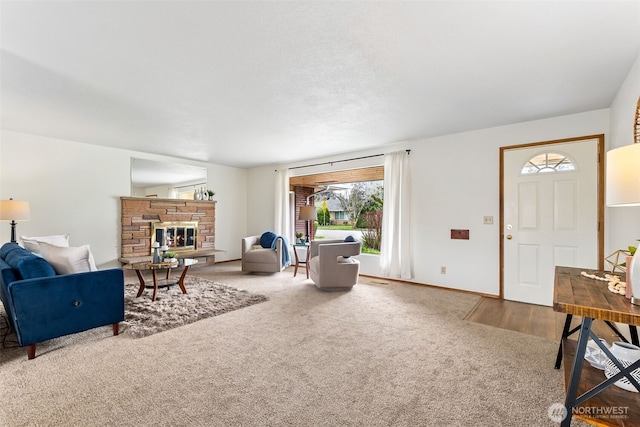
(186, 226)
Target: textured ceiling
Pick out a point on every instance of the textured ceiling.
(251, 83)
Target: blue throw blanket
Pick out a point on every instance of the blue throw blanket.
(286, 257)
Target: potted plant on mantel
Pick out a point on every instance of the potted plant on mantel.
(211, 193)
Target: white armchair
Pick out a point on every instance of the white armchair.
(332, 266)
(255, 258)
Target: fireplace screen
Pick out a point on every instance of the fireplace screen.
(178, 235)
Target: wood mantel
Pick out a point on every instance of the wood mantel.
(137, 214)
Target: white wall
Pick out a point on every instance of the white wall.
(623, 223)
(230, 185)
(260, 200)
(61, 178)
(455, 184)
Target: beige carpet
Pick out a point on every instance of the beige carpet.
(379, 355)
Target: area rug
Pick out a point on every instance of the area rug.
(172, 308)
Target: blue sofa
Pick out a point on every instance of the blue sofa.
(42, 305)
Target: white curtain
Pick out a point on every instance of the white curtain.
(395, 250)
(282, 224)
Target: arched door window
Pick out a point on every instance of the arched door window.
(549, 162)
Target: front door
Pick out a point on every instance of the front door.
(550, 215)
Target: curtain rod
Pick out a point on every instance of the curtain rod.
(340, 161)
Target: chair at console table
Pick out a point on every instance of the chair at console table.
(577, 295)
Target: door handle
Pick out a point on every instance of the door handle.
(509, 236)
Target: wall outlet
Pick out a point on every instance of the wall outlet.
(443, 270)
(488, 220)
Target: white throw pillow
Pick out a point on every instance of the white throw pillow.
(68, 260)
(32, 244)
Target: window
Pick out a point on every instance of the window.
(548, 162)
(341, 215)
(360, 217)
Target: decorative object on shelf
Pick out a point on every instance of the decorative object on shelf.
(629, 293)
(210, 194)
(156, 253)
(595, 356)
(626, 354)
(14, 210)
(201, 194)
(632, 252)
(615, 284)
(615, 261)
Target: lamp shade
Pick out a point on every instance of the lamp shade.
(623, 176)
(307, 213)
(14, 210)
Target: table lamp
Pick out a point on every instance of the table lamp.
(14, 210)
(307, 213)
(623, 189)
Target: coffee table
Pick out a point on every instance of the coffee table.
(139, 267)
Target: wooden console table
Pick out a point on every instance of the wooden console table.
(587, 387)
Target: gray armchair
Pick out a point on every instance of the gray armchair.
(255, 258)
(332, 266)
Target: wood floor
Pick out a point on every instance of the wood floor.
(531, 319)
